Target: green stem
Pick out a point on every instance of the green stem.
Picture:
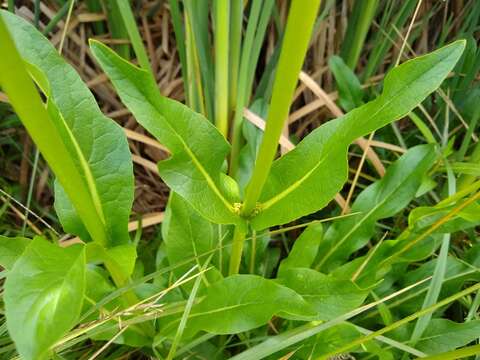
(253, 252)
(237, 248)
(222, 16)
(299, 27)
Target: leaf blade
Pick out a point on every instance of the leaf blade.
(191, 138)
(300, 172)
(97, 145)
(44, 296)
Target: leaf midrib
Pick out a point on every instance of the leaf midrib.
(148, 97)
(273, 200)
(90, 180)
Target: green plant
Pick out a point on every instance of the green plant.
(210, 218)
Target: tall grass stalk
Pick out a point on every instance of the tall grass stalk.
(357, 29)
(438, 274)
(236, 22)
(179, 31)
(117, 28)
(134, 35)
(392, 20)
(299, 27)
(222, 38)
(201, 64)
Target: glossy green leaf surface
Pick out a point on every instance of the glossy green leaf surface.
(380, 200)
(318, 164)
(97, 145)
(304, 249)
(330, 297)
(198, 150)
(243, 302)
(11, 249)
(44, 296)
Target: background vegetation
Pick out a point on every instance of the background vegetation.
(427, 199)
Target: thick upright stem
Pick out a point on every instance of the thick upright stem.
(297, 36)
(222, 16)
(237, 248)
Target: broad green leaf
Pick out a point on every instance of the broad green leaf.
(28, 105)
(380, 200)
(304, 249)
(198, 150)
(444, 335)
(97, 146)
(350, 91)
(187, 235)
(11, 249)
(43, 296)
(243, 302)
(330, 297)
(318, 164)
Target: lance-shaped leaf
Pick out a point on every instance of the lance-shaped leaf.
(96, 145)
(198, 150)
(444, 335)
(43, 296)
(244, 302)
(330, 297)
(304, 249)
(307, 178)
(380, 200)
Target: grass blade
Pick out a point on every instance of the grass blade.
(137, 42)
